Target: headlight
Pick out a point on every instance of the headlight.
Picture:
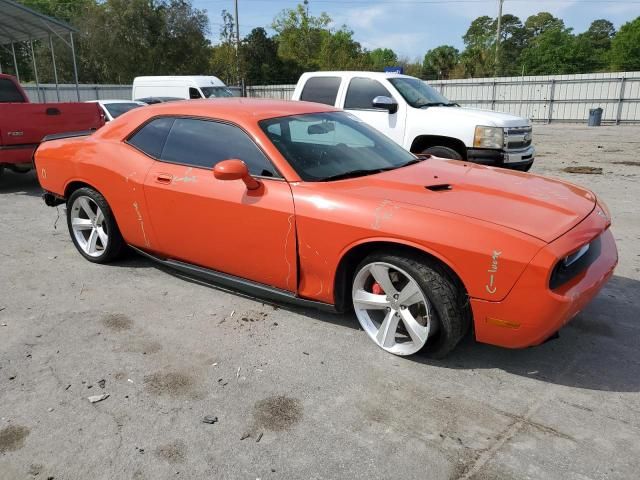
(488, 137)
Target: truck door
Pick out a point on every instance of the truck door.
(358, 100)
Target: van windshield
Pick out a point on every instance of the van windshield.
(214, 92)
(418, 94)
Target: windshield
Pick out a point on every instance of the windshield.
(117, 109)
(214, 92)
(333, 145)
(418, 94)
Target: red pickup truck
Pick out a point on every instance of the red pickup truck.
(23, 125)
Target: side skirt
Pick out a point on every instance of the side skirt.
(249, 287)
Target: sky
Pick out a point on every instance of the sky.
(411, 27)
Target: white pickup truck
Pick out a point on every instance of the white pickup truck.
(420, 119)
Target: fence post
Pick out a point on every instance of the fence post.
(493, 96)
(620, 100)
(97, 92)
(551, 95)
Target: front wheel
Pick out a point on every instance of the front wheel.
(406, 304)
(443, 152)
(92, 226)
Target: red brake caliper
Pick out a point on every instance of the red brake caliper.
(376, 289)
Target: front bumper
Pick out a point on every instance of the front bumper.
(502, 158)
(532, 312)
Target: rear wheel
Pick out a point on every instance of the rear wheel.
(406, 304)
(443, 152)
(92, 226)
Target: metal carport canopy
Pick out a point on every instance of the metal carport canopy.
(22, 24)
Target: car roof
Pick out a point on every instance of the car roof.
(233, 108)
(107, 102)
(355, 73)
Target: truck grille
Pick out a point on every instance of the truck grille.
(517, 138)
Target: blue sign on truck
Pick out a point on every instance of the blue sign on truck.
(399, 70)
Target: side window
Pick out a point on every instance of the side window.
(361, 93)
(321, 90)
(194, 93)
(152, 137)
(203, 143)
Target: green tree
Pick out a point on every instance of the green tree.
(339, 51)
(598, 39)
(556, 51)
(223, 62)
(625, 47)
(382, 57)
(537, 24)
(300, 36)
(440, 62)
(478, 58)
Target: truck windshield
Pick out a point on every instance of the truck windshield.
(9, 93)
(418, 94)
(330, 146)
(215, 92)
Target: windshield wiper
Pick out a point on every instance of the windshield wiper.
(353, 174)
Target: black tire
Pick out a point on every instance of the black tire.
(445, 293)
(524, 168)
(115, 243)
(443, 152)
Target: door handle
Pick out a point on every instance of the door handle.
(164, 178)
(53, 111)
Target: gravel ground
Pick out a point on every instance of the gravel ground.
(303, 394)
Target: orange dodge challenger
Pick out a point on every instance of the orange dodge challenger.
(301, 202)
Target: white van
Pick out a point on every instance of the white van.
(184, 87)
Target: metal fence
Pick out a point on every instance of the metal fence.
(561, 98)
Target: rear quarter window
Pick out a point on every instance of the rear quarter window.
(321, 90)
(152, 136)
(9, 93)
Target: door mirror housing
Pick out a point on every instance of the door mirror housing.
(386, 103)
(234, 169)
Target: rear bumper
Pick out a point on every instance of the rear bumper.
(501, 158)
(532, 312)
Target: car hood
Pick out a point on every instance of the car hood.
(534, 205)
(479, 117)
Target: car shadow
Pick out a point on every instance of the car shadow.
(20, 183)
(597, 350)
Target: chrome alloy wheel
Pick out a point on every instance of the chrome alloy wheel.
(391, 308)
(89, 226)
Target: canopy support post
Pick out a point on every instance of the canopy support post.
(55, 70)
(35, 69)
(15, 62)
(75, 67)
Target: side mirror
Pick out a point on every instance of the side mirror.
(235, 169)
(386, 103)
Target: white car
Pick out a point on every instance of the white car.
(114, 108)
(420, 119)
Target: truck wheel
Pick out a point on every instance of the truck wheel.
(406, 304)
(525, 168)
(443, 152)
(92, 226)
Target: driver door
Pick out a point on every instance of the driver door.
(358, 100)
(219, 224)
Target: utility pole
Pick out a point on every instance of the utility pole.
(237, 43)
(500, 3)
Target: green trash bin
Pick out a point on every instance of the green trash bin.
(595, 117)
